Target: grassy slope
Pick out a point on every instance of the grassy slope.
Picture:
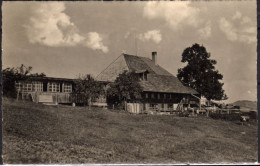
(246, 104)
(35, 133)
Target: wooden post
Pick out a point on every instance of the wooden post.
(62, 87)
(125, 105)
(113, 106)
(171, 109)
(200, 103)
(135, 107)
(199, 100)
(36, 97)
(56, 98)
(89, 103)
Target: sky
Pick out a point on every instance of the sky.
(68, 39)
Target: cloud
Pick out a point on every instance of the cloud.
(154, 35)
(228, 29)
(127, 35)
(176, 14)
(50, 26)
(237, 15)
(205, 32)
(245, 20)
(95, 42)
(245, 33)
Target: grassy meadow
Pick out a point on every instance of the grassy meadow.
(36, 133)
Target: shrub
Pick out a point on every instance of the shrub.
(251, 114)
(184, 114)
(11, 75)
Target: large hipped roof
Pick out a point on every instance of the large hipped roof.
(159, 79)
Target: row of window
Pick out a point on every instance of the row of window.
(158, 96)
(152, 105)
(38, 86)
(55, 87)
(34, 86)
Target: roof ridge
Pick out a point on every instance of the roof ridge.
(140, 57)
(147, 64)
(161, 68)
(147, 61)
(132, 55)
(127, 63)
(110, 65)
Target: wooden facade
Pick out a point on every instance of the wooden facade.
(161, 102)
(53, 91)
(45, 90)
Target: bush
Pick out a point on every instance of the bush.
(184, 114)
(251, 114)
(11, 75)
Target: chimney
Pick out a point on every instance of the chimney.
(154, 57)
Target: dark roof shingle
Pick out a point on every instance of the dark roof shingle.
(159, 79)
(163, 83)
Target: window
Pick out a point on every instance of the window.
(143, 76)
(18, 86)
(147, 95)
(170, 95)
(67, 87)
(153, 106)
(159, 96)
(21, 86)
(152, 95)
(164, 95)
(27, 87)
(38, 86)
(54, 87)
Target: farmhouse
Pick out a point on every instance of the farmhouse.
(161, 90)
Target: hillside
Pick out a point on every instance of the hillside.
(246, 104)
(36, 133)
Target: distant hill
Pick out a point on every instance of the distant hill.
(246, 104)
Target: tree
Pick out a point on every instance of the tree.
(200, 73)
(87, 89)
(10, 75)
(125, 87)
